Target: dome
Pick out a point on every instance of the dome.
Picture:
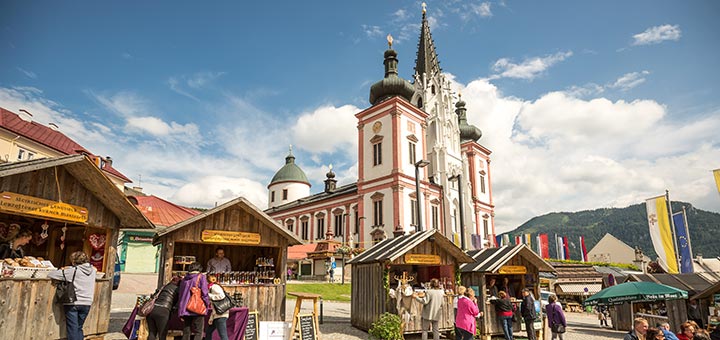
(392, 85)
(467, 131)
(290, 172)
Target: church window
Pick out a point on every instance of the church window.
(21, 154)
(339, 225)
(357, 222)
(377, 153)
(304, 228)
(290, 225)
(411, 147)
(413, 212)
(486, 227)
(482, 183)
(432, 89)
(435, 216)
(320, 228)
(285, 194)
(377, 213)
(272, 196)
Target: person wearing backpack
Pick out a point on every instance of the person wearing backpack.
(81, 276)
(194, 280)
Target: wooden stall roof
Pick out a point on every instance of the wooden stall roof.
(393, 248)
(92, 178)
(694, 284)
(251, 208)
(489, 260)
(708, 292)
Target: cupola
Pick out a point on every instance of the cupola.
(392, 85)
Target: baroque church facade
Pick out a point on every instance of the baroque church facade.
(411, 130)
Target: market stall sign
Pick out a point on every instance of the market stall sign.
(38, 207)
(146, 239)
(512, 270)
(234, 237)
(422, 259)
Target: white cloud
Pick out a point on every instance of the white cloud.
(201, 79)
(372, 31)
(157, 127)
(126, 55)
(629, 80)
(207, 191)
(657, 34)
(27, 73)
(528, 69)
(327, 129)
(482, 10)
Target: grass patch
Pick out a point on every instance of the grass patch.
(328, 291)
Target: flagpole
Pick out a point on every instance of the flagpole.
(672, 229)
(687, 233)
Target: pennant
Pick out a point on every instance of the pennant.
(583, 250)
(683, 242)
(544, 246)
(660, 233)
(716, 173)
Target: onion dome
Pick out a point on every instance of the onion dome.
(330, 181)
(467, 131)
(392, 85)
(290, 172)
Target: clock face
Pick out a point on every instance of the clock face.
(377, 127)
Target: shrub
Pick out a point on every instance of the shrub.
(387, 327)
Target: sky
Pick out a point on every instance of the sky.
(584, 104)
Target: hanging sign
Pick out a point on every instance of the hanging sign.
(512, 270)
(38, 207)
(234, 237)
(422, 259)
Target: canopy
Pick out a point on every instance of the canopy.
(634, 292)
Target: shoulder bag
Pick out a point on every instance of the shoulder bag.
(224, 305)
(196, 304)
(147, 307)
(65, 291)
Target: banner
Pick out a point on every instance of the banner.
(544, 246)
(558, 247)
(660, 233)
(517, 240)
(583, 250)
(498, 240)
(716, 173)
(683, 242)
(506, 240)
(528, 240)
(566, 246)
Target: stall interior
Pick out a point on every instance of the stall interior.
(422, 274)
(251, 265)
(512, 284)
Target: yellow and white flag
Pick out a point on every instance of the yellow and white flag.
(716, 172)
(660, 233)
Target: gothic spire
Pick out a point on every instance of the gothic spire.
(427, 59)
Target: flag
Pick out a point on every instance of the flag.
(528, 240)
(683, 242)
(544, 246)
(583, 250)
(506, 240)
(558, 246)
(537, 245)
(517, 240)
(660, 233)
(567, 247)
(716, 173)
(498, 240)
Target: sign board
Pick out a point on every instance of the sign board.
(422, 259)
(251, 330)
(334, 265)
(306, 324)
(38, 207)
(233, 237)
(273, 330)
(145, 239)
(512, 270)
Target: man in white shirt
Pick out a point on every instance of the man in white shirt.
(219, 263)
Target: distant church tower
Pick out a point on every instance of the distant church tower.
(289, 183)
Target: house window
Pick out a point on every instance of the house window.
(285, 194)
(357, 222)
(413, 212)
(482, 183)
(339, 225)
(21, 154)
(485, 226)
(411, 146)
(30, 155)
(377, 213)
(435, 212)
(320, 228)
(377, 153)
(272, 196)
(290, 225)
(304, 228)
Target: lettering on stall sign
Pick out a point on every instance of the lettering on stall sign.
(306, 322)
(234, 237)
(422, 259)
(251, 330)
(38, 207)
(512, 270)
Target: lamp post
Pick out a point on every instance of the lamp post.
(419, 164)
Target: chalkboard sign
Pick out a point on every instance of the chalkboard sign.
(306, 322)
(251, 330)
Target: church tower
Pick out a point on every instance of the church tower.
(289, 183)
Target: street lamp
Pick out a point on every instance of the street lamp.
(419, 164)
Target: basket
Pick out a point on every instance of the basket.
(23, 272)
(42, 273)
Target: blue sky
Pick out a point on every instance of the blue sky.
(585, 104)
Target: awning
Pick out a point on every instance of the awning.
(578, 288)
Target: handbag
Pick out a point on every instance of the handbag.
(65, 291)
(147, 307)
(558, 328)
(196, 304)
(224, 305)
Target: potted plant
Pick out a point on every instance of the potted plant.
(387, 327)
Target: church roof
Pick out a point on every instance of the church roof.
(427, 60)
(392, 85)
(290, 172)
(319, 197)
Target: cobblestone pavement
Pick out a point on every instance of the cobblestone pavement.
(336, 316)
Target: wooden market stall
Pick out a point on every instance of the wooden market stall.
(518, 264)
(418, 257)
(254, 243)
(69, 205)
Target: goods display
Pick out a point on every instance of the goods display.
(26, 267)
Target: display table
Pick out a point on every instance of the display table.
(236, 323)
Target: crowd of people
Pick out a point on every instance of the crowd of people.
(689, 330)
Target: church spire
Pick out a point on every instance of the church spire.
(427, 59)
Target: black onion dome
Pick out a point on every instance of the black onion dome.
(392, 85)
(467, 131)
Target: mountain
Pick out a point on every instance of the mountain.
(627, 224)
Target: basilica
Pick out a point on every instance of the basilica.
(420, 167)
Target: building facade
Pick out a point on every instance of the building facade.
(411, 131)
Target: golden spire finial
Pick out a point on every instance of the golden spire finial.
(424, 6)
(389, 40)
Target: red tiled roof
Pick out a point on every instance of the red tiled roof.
(300, 251)
(53, 139)
(161, 212)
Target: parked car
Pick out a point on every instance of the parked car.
(116, 275)
(544, 295)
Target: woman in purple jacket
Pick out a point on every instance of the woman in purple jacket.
(192, 320)
(555, 317)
